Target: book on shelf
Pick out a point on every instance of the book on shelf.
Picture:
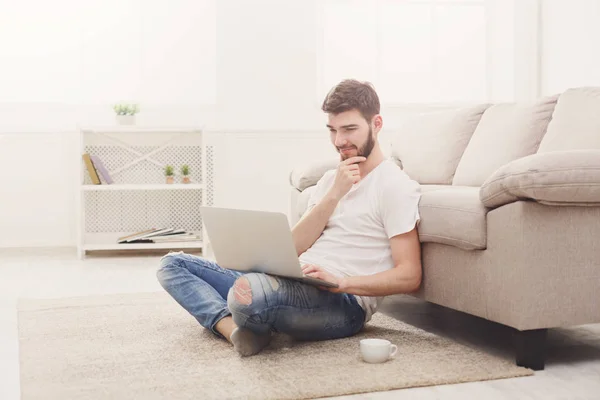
(137, 235)
(174, 233)
(159, 235)
(101, 170)
(89, 165)
(188, 237)
(96, 169)
(147, 235)
(176, 239)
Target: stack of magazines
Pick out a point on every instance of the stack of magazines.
(160, 235)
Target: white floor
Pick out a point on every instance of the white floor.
(572, 370)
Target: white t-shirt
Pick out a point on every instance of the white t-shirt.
(356, 239)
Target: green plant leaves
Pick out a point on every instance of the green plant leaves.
(126, 109)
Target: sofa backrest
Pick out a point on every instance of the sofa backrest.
(505, 133)
(464, 147)
(430, 145)
(575, 124)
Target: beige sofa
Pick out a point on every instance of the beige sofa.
(510, 211)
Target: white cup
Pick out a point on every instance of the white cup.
(376, 351)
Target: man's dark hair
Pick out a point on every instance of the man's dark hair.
(351, 94)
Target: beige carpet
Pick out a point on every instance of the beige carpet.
(144, 346)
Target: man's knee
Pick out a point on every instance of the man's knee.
(242, 291)
(168, 263)
(247, 293)
(171, 258)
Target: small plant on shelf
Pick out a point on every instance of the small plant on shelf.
(126, 113)
(185, 172)
(169, 172)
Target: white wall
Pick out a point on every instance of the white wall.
(37, 198)
(264, 115)
(570, 44)
(266, 75)
(265, 112)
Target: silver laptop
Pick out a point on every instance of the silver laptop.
(254, 241)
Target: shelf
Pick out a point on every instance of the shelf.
(133, 186)
(108, 241)
(135, 157)
(139, 129)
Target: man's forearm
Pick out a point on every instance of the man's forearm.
(394, 281)
(309, 228)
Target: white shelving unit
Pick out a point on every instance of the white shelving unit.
(140, 198)
(159, 186)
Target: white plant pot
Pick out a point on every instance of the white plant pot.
(126, 119)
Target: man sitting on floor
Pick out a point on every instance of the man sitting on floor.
(359, 231)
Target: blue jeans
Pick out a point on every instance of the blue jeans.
(208, 293)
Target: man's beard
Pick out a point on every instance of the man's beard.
(365, 150)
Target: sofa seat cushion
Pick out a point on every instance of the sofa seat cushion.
(451, 215)
(429, 188)
(454, 216)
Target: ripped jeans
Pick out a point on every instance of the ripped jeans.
(257, 301)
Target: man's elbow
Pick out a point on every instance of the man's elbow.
(414, 284)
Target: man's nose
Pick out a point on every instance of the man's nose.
(340, 141)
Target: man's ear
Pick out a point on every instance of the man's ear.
(377, 122)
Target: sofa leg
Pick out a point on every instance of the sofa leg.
(530, 347)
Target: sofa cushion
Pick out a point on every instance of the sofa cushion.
(309, 174)
(575, 124)
(300, 203)
(453, 215)
(429, 188)
(430, 145)
(505, 133)
(450, 215)
(555, 178)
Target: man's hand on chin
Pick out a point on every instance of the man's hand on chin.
(314, 271)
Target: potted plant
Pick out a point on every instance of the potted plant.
(169, 172)
(185, 171)
(126, 113)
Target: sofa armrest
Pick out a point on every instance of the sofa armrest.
(555, 178)
(309, 174)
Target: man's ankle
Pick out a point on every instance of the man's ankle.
(225, 327)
